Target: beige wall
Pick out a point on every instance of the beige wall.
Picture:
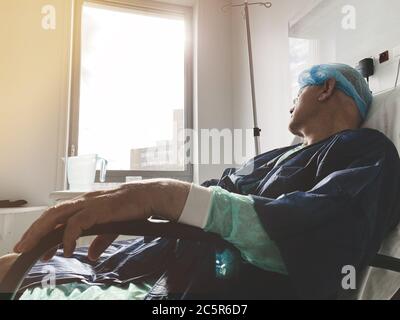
(213, 77)
(33, 98)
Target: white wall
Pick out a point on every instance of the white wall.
(376, 30)
(271, 63)
(33, 95)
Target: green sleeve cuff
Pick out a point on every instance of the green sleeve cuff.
(233, 217)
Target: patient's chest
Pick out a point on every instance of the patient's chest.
(282, 175)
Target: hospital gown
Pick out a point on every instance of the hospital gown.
(309, 214)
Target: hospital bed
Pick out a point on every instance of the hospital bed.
(381, 280)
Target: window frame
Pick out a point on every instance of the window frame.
(152, 7)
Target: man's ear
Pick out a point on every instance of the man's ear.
(327, 90)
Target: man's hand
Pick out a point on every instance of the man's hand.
(136, 201)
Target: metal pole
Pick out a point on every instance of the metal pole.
(253, 89)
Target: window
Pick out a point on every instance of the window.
(132, 98)
(303, 55)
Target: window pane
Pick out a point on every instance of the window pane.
(132, 88)
(303, 54)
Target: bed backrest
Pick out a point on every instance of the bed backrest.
(384, 115)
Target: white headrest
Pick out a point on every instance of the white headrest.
(384, 115)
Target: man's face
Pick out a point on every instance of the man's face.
(305, 107)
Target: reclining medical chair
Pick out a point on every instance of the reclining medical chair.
(381, 280)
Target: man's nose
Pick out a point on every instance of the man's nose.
(292, 110)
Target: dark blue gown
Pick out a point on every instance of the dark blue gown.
(327, 206)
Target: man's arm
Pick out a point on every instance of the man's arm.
(138, 201)
(212, 209)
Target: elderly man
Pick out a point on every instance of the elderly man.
(303, 212)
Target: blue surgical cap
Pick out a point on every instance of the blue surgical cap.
(348, 80)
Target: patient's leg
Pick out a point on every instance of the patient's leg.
(5, 264)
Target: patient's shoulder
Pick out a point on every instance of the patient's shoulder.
(366, 139)
(364, 135)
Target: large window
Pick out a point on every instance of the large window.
(303, 54)
(132, 98)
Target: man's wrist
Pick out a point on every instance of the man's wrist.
(168, 198)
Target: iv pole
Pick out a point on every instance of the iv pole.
(257, 130)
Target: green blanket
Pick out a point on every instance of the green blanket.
(79, 291)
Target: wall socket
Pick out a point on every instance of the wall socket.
(384, 56)
(388, 55)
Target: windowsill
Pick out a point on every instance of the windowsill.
(70, 194)
(65, 195)
(21, 210)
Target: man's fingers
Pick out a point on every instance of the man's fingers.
(61, 215)
(99, 245)
(71, 234)
(49, 254)
(46, 223)
(75, 226)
